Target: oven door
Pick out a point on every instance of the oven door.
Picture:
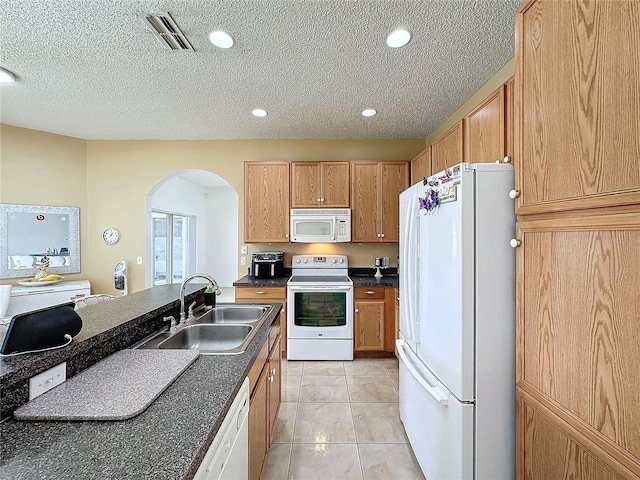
(320, 312)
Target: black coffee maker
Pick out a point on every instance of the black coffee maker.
(267, 265)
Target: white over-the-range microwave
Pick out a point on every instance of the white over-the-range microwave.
(320, 225)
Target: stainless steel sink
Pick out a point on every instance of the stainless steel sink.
(233, 314)
(209, 338)
(224, 330)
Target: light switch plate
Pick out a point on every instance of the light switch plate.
(47, 380)
(243, 260)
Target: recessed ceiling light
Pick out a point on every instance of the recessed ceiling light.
(398, 38)
(258, 112)
(221, 39)
(6, 76)
(369, 112)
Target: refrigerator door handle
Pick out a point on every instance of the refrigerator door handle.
(434, 390)
(409, 262)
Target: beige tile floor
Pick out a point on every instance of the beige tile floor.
(340, 420)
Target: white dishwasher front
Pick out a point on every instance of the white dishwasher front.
(228, 456)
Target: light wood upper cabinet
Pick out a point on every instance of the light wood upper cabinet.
(421, 166)
(320, 184)
(375, 191)
(266, 202)
(485, 130)
(577, 105)
(509, 110)
(447, 149)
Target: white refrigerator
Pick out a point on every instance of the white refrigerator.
(457, 322)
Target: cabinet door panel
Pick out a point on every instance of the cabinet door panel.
(266, 191)
(447, 149)
(336, 184)
(305, 184)
(275, 387)
(552, 453)
(395, 179)
(421, 166)
(509, 109)
(485, 130)
(369, 326)
(365, 217)
(577, 105)
(258, 444)
(578, 319)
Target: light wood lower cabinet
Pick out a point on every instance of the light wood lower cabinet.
(275, 386)
(265, 401)
(396, 316)
(375, 327)
(258, 416)
(268, 295)
(369, 318)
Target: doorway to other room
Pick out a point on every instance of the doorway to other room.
(192, 227)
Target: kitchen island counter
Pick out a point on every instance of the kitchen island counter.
(166, 441)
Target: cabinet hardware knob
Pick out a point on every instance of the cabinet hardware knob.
(506, 159)
(514, 194)
(322, 199)
(273, 372)
(357, 310)
(319, 200)
(286, 235)
(514, 243)
(282, 311)
(260, 292)
(369, 292)
(382, 235)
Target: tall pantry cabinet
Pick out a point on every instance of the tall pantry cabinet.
(577, 160)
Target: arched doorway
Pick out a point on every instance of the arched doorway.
(210, 207)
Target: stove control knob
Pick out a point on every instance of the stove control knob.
(342, 260)
(297, 260)
(305, 261)
(334, 261)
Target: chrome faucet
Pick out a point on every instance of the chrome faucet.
(183, 287)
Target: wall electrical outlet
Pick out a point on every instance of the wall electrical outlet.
(385, 261)
(139, 260)
(46, 380)
(243, 260)
(245, 250)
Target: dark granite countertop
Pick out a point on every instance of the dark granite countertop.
(360, 279)
(166, 441)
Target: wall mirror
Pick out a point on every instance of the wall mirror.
(29, 232)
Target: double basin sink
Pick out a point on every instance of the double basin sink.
(223, 330)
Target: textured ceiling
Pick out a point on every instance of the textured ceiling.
(91, 69)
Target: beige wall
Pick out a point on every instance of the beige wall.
(111, 180)
(38, 168)
(134, 167)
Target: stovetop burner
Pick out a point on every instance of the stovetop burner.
(320, 279)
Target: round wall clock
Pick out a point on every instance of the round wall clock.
(111, 235)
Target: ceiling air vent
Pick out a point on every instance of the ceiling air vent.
(166, 31)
